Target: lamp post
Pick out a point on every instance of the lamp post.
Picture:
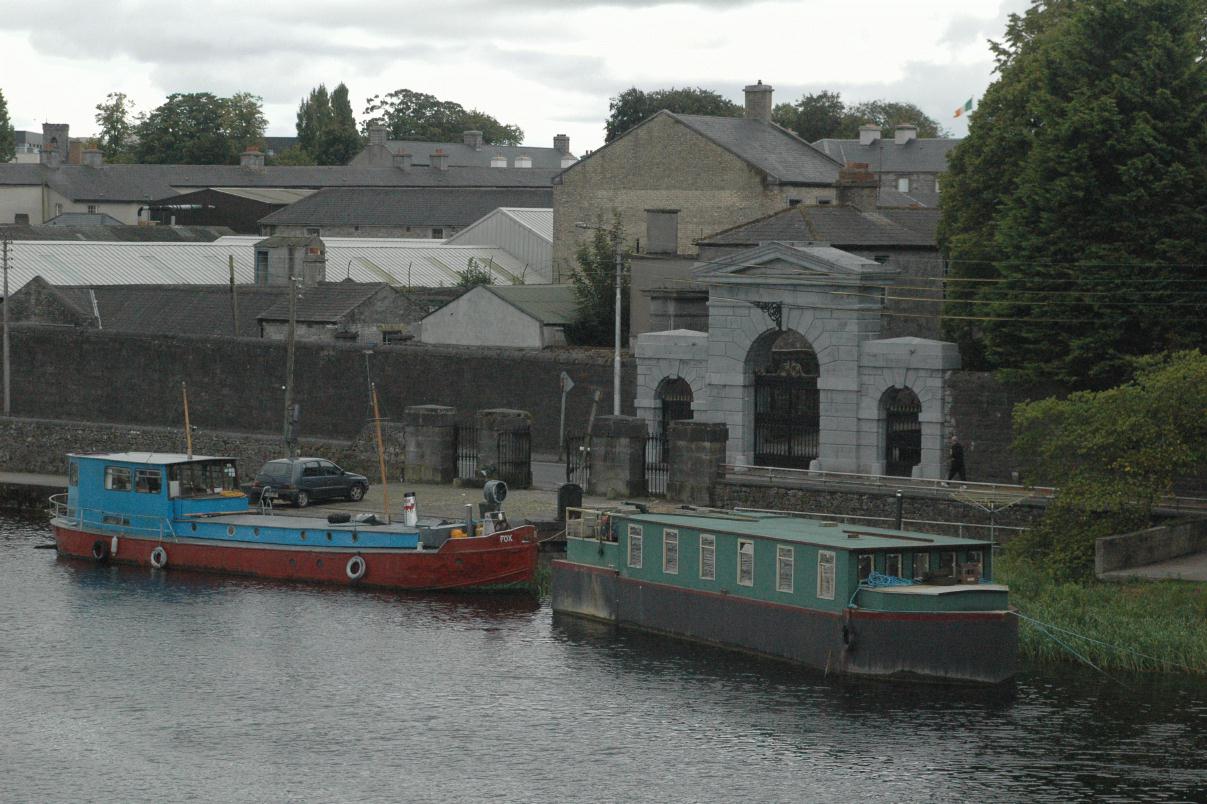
(616, 350)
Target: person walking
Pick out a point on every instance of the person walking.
(957, 460)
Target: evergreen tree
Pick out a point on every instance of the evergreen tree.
(595, 291)
(314, 115)
(8, 140)
(338, 140)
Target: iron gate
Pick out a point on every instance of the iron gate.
(515, 458)
(657, 464)
(578, 460)
(787, 417)
(467, 451)
(676, 398)
(903, 433)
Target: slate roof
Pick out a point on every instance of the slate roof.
(772, 149)
(84, 219)
(404, 206)
(326, 302)
(891, 197)
(840, 226)
(923, 221)
(116, 233)
(461, 154)
(549, 304)
(920, 155)
(144, 183)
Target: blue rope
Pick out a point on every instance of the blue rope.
(877, 579)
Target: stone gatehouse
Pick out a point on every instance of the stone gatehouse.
(792, 363)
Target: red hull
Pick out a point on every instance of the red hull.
(459, 563)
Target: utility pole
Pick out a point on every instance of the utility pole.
(290, 442)
(7, 370)
(234, 298)
(616, 351)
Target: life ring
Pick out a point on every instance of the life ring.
(355, 568)
(100, 551)
(159, 557)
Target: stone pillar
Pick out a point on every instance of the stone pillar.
(697, 450)
(504, 423)
(431, 444)
(617, 457)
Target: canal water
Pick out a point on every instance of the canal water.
(120, 684)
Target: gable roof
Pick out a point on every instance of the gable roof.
(461, 154)
(326, 302)
(840, 226)
(775, 151)
(800, 263)
(919, 155)
(398, 206)
(549, 304)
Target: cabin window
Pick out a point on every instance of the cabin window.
(947, 563)
(201, 479)
(892, 565)
(708, 557)
(783, 568)
(745, 562)
(635, 546)
(921, 564)
(148, 481)
(117, 478)
(670, 552)
(866, 566)
(973, 570)
(73, 474)
(825, 574)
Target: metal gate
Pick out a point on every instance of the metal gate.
(578, 460)
(787, 417)
(515, 458)
(676, 398)
(903, 433)
(657, 464)
(467, 451)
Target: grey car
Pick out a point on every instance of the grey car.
(306, 480)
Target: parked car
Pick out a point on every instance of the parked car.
(302, 481)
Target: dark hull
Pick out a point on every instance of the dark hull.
(962, 647)
(459, 563)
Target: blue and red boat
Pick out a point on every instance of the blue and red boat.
(168, 510)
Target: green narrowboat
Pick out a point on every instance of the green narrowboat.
(842, 598)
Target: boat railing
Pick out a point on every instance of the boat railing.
(588, 523)
(117, 522)
(961, 529)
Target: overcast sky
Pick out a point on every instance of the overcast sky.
(547, 67)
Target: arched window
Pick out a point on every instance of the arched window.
(902, 432)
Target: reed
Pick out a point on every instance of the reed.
(1141, 626)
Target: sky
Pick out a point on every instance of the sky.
(549, 68)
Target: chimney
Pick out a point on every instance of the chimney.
(402, 160)
(377, 133)
(439, 159)
(561, 144)
(252, 159)
(498, 161)
(473, 139)
(868, 133)
(93, 157)
(314, 263)
(904, 133)
(523, 161)
(758, 102)
(662, 231)
(858, 187)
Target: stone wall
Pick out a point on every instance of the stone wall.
(235, 385)
(1130, 550)
(981, 415)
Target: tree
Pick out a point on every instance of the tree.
(338, 140)
(634, 105)
(8, 141)
(824, 115)
(888, 114)
(595, 291)
(1114, 455)
(113, 116)
(199, 128)
(1072, 210)
(314, 115)
(295, 155)
(475, 274)
(410, 115)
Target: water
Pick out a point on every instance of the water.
(121, 684)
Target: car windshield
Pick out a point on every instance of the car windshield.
(275, 470)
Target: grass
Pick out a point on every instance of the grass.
(1146, 626)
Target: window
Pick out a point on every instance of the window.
(825, 574)
(311, 469)
(794, 202)
(936, 184)
(881, 258)
(117, 478)
(261, 268)
(783, 568)
(635, 546)
(708, 557)
(312, 230)
(92, 209)
(866, 565)
(903, 184)
(745, 562)
(921, 564)
(670, 552)
(892, 565)
(201, 479)
(148, 481)
(73, 474)
(974, 556)
(947, 563)
(437, 233)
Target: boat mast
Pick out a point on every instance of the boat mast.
(290, 443)
(381, 455)
(188, 431)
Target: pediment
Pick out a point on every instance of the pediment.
(789, 262)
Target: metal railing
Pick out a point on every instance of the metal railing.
(927, 525)
(738, 471)
(112, 521)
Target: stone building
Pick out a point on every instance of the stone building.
(793, 364)
(675, 178)
(472, 151)
(906, 165)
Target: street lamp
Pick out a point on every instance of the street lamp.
(616, 352)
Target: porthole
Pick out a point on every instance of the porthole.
(303, 535)
(328, 535)
(230, 530)
(194, 526)
(256, 531)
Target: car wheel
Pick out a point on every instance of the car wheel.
(302, 500)
(356, 493)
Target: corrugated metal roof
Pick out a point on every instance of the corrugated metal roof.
(419, 263)
(267, 195)
(538, 220)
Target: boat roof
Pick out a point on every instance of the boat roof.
(822, 533)
(156, 458)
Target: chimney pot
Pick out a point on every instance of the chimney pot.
(473, 139)
(904, 133)
(868, 133)
(402, 160)
(758, 102)
(440, 159)
(858, 186)
(251, 159)
(93, 157)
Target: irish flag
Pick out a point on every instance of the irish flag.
(965, 109)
